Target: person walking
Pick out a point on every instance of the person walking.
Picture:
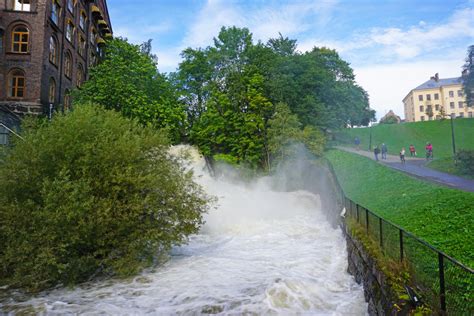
(384, 151)
(402, 155)
(412, 150)
(357, 142)
(376, 153)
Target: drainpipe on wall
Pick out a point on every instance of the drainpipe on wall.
(63, 38)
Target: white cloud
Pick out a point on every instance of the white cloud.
(403, 44)
(264, 22)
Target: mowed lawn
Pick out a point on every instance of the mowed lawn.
(443, 217)
(397, 136)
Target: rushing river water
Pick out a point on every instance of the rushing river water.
(260, 252)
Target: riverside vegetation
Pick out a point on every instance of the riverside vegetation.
(91, 193)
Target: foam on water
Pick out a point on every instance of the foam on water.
(260, 252)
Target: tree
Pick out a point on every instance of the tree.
(429, 111)
(128, 81)
(468, 82)
(230, 90)
(91, 193)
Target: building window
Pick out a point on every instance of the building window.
(469, 114)
(428, 97)
(422, 118)
(438, 117)
(451, 105)
(68, 65)
(67, 100)
(92, 58)
(16, 84)
(460, 104)
(55, 11)
(21, 5)
(93, 36)
(82, 20)
(437, 107)
(461, 114)
(70, 6)
(70, 31)
(53, 50)
(459, 93)
(52, 91)
(79, 76)
(420, 97)
(453, 115)
(20, 37)
(451, 94)
(82, 45)
(421, 108)
(436, 96)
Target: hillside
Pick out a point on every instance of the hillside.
(397, 136)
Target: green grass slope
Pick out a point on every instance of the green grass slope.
(397, 136)
(443, 217)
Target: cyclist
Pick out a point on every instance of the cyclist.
(429, 151)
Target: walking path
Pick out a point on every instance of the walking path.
(416, 167)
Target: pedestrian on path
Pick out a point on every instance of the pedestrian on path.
(384, 151)
(402, 155)
(357, 142)
(376, 153)
(412, 150)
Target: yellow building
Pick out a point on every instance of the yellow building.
(428, 101)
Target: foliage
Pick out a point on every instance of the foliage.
(448, 165)
(465, 159)
(231, 88)
(128, 81)
(91, 193)
(409, 202)
(397, 136)
(468, 83)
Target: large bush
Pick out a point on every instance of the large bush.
(465, 159)
(90, 193)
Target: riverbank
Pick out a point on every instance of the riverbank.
(443, 217)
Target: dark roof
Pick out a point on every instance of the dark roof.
(430, 84)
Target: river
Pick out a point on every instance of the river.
(261, 252)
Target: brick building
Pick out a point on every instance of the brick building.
(46, 50)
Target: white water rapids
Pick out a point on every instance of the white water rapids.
(260, 252)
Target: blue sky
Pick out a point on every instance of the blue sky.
(393, 45)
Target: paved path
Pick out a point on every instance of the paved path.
(416, 167)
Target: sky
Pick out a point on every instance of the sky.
(392, 45)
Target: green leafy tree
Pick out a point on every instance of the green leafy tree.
(127, 80)
(468, 82)
(91, 193)
(284, 130)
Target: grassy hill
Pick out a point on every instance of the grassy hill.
(441, 216)
(397, 136)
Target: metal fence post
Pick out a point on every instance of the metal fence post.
(367, 220)
(401, 244)
(381, 234)
(442, 291)
(357, 213)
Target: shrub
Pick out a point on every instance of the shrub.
(465, 159)
(91, 193)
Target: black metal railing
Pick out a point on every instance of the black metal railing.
(445, 284)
